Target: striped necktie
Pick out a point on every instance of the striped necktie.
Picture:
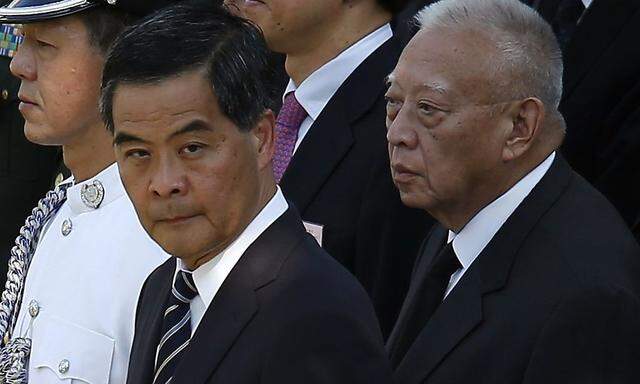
(176, 327)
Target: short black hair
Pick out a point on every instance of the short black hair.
(393, 6)
(103, 25)
(187, 37)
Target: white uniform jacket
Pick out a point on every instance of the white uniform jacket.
(82, 288)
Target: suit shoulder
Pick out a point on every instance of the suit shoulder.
(584, 230)
(312, 278)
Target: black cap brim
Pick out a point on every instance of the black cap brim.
(29, 11)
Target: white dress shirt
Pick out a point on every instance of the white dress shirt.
(316, 90)
(82, 288)
(210, 276)
(474, 237)
(587, 3)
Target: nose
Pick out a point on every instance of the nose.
(168, 179)
(401, 129)
(23, 64)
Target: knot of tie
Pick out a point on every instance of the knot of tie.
(184, 288)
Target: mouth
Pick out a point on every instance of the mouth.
(402, 174)
(26, 100)
(176, 220)
(253, 3)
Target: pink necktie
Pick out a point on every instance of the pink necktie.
(288, 124)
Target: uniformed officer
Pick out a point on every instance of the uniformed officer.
(70, 319)
(27, 170)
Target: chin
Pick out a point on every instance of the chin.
(40, 134)
(414, 200)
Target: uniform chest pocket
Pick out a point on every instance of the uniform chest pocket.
(68, 353)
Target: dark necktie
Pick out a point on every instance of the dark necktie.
(566, 19)
(288, 124)
(176, 327)
(428, 299)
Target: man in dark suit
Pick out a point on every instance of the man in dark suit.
(253, 298)
(601, 101)
(330, 157)
(531, 276)
(27, 170)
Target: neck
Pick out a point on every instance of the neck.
(266, 193)
(458, 215)
(90, 154)
(354, 26)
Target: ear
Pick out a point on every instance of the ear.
(526, 117)
(264, 138)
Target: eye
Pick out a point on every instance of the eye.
(393, 106)
(192, 148)
(44, 44)
(137, 154)
(427, 109)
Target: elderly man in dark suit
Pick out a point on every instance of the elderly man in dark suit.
(601, 100)
(531, 276)
(330, 157)
(252, 298)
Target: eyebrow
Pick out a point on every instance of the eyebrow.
(435, 87)
(123, 137)
(194, 126)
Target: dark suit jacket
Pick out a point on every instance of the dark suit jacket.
(553, 298)
(340, 178)
(26, 170)
(404, 23)
(287, 313)
(601, 101)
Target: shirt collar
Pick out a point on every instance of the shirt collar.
(210, 276)
(587, 3)
(316, 90)
(109, 178)
(474, 237)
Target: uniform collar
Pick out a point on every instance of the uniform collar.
(110, 181)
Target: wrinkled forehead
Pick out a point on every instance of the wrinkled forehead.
(457, 63)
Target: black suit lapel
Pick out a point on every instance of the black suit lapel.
(461, 312)
(601, 24)
(149, 321)
(427, 252)
(330, 137)
(236, 302)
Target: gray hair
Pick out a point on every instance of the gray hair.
(529, 57)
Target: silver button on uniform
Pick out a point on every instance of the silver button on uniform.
(34, 308)
(63, 367)
(67, 226)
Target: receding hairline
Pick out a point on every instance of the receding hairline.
(527, 59)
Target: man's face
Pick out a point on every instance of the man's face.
(444, 132)
(292, 26)
(192, 175)
(61, 74)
